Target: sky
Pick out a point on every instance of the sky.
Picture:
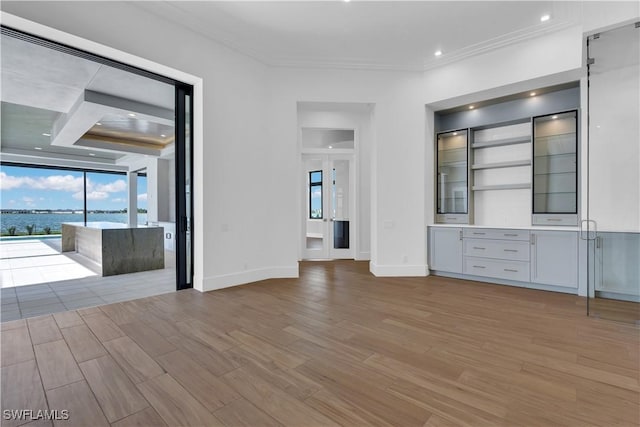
(37, 188)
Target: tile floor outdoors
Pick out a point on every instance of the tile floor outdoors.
(37, 279)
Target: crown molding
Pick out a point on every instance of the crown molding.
(172, 11)
(497, 43)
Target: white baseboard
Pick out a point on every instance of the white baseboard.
(222, 281)
(419, 270)
(363, 256)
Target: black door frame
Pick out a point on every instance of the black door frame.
(184, 183)
(184, 133)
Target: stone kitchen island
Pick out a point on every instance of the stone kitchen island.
(117, 248)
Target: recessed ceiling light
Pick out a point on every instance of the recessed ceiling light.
(91, 154)
(346, 1)
(131, 115)
(38, 148)
(545, 18)
(438, 53)
(455, 133)
(532, 94)
(46, 134)
(554, 117)
(331, 146)
(471, 107)
(163, 136)
(98, 124)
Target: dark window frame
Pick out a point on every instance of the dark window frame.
(313, 185)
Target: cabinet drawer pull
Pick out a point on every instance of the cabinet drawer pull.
(510, 235)
(511, 250)
(476, 247)
(511, 270)
(479, 266)
(479, 234)
(554, 219)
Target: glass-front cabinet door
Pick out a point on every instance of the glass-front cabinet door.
(452, 204)
(555, 178)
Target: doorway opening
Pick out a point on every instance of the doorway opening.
(329, 194)
(100, 148)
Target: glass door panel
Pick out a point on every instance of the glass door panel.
(341, 206)
(555, 147)
(452, 185)
(614, 175)
(315, 230)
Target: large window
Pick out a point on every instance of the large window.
(37, 200)
(106, 197)
(315, 194)
(142, 198)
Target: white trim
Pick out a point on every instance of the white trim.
(416, 270)
(363, 256)
(234, 279)
(58, 36)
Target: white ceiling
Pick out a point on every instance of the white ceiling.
(366, 34)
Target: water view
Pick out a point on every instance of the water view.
(52, 221)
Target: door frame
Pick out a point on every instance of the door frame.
(144, 65)
(354, 184)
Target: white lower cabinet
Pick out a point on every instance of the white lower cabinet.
(445, 249)
(533, 257)
(554, 258)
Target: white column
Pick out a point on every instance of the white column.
(132, 202)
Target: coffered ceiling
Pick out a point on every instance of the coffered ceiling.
(59, 106)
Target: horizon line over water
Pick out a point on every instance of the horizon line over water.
(53, 220)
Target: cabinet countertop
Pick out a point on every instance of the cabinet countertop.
(509, 227)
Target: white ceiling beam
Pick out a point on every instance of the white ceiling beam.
(91, 107)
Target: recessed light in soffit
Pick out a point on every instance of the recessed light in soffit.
(122, 133)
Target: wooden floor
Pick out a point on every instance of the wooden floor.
(621, 311)
(335, 347)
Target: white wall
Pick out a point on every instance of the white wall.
(397, 174)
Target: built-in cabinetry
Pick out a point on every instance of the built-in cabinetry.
(452, 173)
(519, 173)
(555, 178)
(446, 249)
(499, 253)
(554, 258)
(530, 257)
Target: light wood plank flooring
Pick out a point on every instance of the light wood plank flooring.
(335, 347)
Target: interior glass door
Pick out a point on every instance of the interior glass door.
(328, 194)
(613, 206)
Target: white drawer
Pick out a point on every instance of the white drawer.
(500, 269)
(496, 233)
(514, 250)
(452, 219)
(551, 219)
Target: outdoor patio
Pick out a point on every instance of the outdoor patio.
(36, 279)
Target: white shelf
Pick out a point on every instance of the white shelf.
(505, 141)
(496, 165)
(501, 187)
